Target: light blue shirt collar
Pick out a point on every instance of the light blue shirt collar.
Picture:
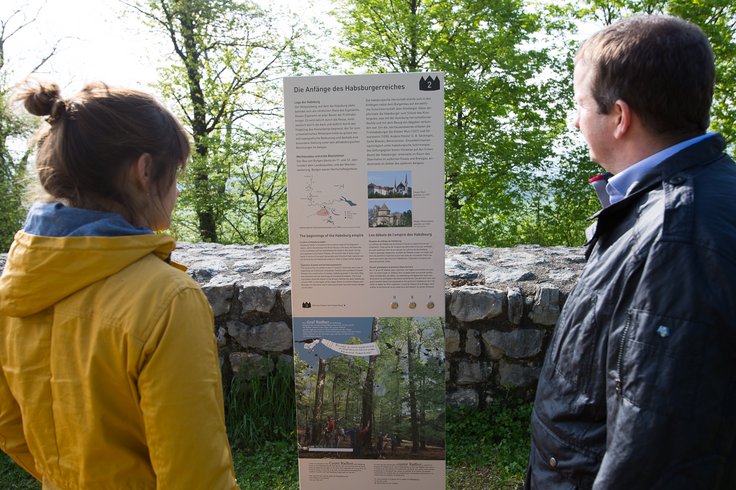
(621, 184)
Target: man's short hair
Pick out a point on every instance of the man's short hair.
(662, 66)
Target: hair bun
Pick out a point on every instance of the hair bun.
(44, 100)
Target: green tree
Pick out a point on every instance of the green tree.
(12, 174)
(256, 188)
(319, 393)
(717, 18)
(229, 54)
(411, 374)
(502, 114)
(14, 157)
(366, 411)
(557, 204)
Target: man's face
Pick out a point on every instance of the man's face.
(597, 129)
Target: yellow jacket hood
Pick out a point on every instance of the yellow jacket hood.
(42, 270)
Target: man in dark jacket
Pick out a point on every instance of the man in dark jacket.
(638, 389)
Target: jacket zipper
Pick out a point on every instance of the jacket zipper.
(620, 364)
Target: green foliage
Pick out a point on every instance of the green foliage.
(260, 423)
(12, 181)
(387, 36)
(252, 172)
(506, 101)
(229, 55)
(514, 171)
(13, 477)
(272, 467)
(261, 409)
(717, 18)
(13, 163)
(488, 449)
(411, 370)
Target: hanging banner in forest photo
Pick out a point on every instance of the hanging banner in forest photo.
(365, 173)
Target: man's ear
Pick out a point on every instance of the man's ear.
(622, 111)
(140, 171)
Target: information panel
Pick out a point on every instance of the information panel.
(365, 173)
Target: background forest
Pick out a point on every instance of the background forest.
(515, 171)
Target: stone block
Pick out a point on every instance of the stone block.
(518, 344)
(546, 307)
(463, 398)
(472, 343)
(471, 303)
(452, 341)
(286, 300)
(518, 376)
(496, 275)
(470, 372)
(494, 353)
(277, 266)
(287, 361)
(220, 291)
(221, 337)
(272, 336)
(204, 269)
(250, 365)
(257, 296)
(516, 305)
(456, 269)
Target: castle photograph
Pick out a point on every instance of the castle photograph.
(390, 213)
(391, 184)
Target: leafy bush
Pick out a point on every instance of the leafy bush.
(272, 467)
(488, 448)
(260, 410)
(13, 477)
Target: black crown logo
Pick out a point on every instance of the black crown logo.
(429, 83)
(306, 304)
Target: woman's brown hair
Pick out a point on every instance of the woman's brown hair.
(85, 152)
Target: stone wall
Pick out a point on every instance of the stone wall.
(501, 306)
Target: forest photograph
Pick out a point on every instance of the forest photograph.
(390, 405)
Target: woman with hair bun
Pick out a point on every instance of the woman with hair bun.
(110, 375)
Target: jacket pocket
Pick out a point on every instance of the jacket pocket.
(558, 464)
(659, 360)
(575, 343)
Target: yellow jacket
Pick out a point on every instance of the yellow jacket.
(110, 376)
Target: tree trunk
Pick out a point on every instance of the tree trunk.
(318, 396)
(367, 398)
(413, 398)
(200, 131)
(334, 398)
(347, 403)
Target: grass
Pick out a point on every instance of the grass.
(260, 414)
(259, 410)
(13, 477)
(486, 449)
